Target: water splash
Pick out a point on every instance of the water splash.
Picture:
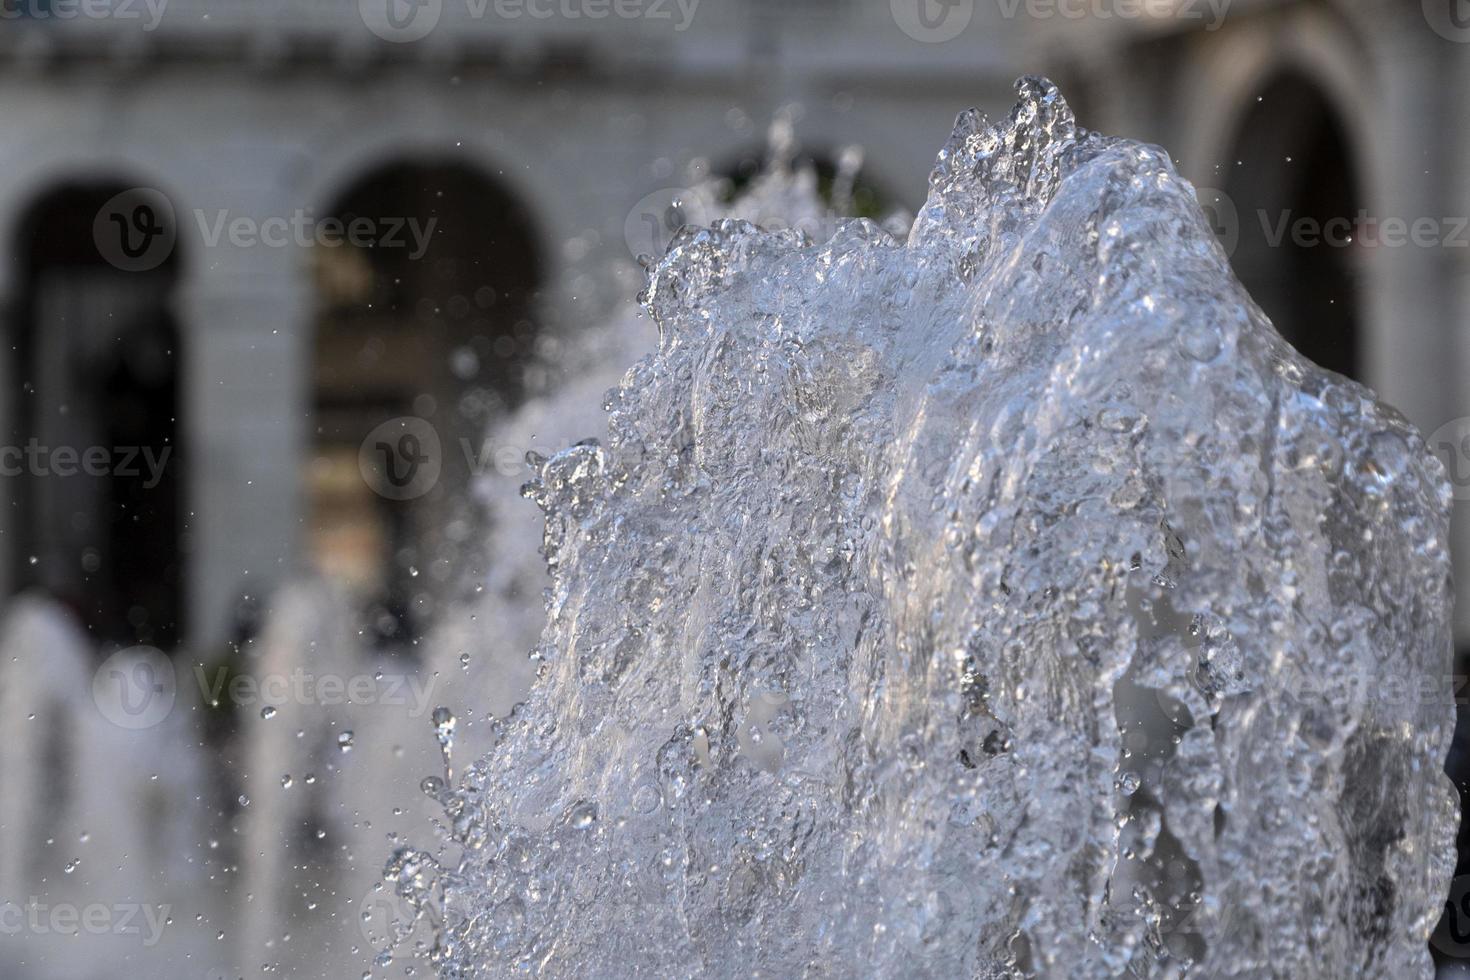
(507, 617)
(983, 605)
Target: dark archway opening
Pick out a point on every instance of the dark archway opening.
(1295, 188)
(93, 470)
(428, 316)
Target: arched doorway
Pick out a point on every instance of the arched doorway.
(424, 329)
(1295, 187)
(92, 412)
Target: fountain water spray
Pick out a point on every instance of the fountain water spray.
(983, 604)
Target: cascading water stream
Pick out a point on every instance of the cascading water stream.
(1006, 601)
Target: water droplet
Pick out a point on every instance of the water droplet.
(582, 815)
(1200, 342)
(646, 798)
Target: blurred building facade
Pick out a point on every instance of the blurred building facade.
(164, 165)
(178, 297)
(531, 143)
(504, 163)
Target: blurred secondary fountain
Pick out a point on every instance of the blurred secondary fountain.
(101, 810)
(990, 603)
(239, 804)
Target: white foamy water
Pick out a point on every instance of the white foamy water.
(1006, 601)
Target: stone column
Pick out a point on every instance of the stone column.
(1416, 298)
(1455, 322)
(244, 318)
(10, 287)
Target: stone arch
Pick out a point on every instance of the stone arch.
(1232, 67)
(423, 331)
(92, 415)
(1296, 188)
(1289, 83)
(330, 168)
